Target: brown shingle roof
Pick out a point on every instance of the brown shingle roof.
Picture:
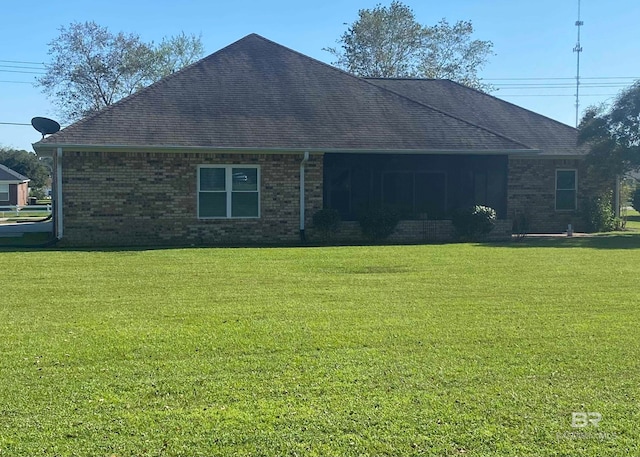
(479, 108)
(258, 94)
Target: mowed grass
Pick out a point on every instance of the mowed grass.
(445, 350)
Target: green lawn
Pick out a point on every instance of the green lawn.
(27, 216)
(460, 350)
(633, 220)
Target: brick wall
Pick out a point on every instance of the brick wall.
(531, 191)
(415, 232)
(116, 198)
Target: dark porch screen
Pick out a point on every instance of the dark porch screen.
(416, 186)
(415, 195)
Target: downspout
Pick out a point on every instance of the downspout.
(58, 201)
(305, 159)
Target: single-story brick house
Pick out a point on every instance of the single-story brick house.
(14, 188)
(247, 144)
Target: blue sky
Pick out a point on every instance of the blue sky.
(532, 39)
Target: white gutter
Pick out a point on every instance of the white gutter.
(47, 149)
(305, 159)
(58, 201)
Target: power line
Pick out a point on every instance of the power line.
(562, 84)
(558, 86)
(554, 86)
(557, 78)
(553, 95)
(23, 72)
(23, 62)
(24, 67)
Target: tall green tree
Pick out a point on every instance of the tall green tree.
(383, 42)
(176, 52)
(27, 164)
(450, 52)
(92, 68)
(390, 42)
(613, 134)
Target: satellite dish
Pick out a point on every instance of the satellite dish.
(45, 126)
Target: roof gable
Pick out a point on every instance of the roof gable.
(7, 175)
(257, 94)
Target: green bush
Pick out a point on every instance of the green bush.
(598, 213)
(474, 222)
(379, 223)
(37, 192)
(327, 222)
(635, 199)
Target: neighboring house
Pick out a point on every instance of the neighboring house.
(14, 188)
(247, 144)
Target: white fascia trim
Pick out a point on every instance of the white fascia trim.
(47, 150)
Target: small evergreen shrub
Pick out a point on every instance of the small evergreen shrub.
(474, 222)
(327, 221)
(598, 213)
(379, 223)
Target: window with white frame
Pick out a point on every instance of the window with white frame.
(4, 192)
(566, 190)
(228, 191)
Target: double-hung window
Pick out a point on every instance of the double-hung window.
(4, 192)
(566, 190)
(228, 191)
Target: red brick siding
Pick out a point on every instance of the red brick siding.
(120, 198)
(531, 190)
(116, 198)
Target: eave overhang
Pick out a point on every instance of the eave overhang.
(47, 150)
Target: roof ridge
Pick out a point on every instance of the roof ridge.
(486, 129)
(164, 80)
(365, 80)
(417, 121)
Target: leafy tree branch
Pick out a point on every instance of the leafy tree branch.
(92, 68)
(389, 42)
